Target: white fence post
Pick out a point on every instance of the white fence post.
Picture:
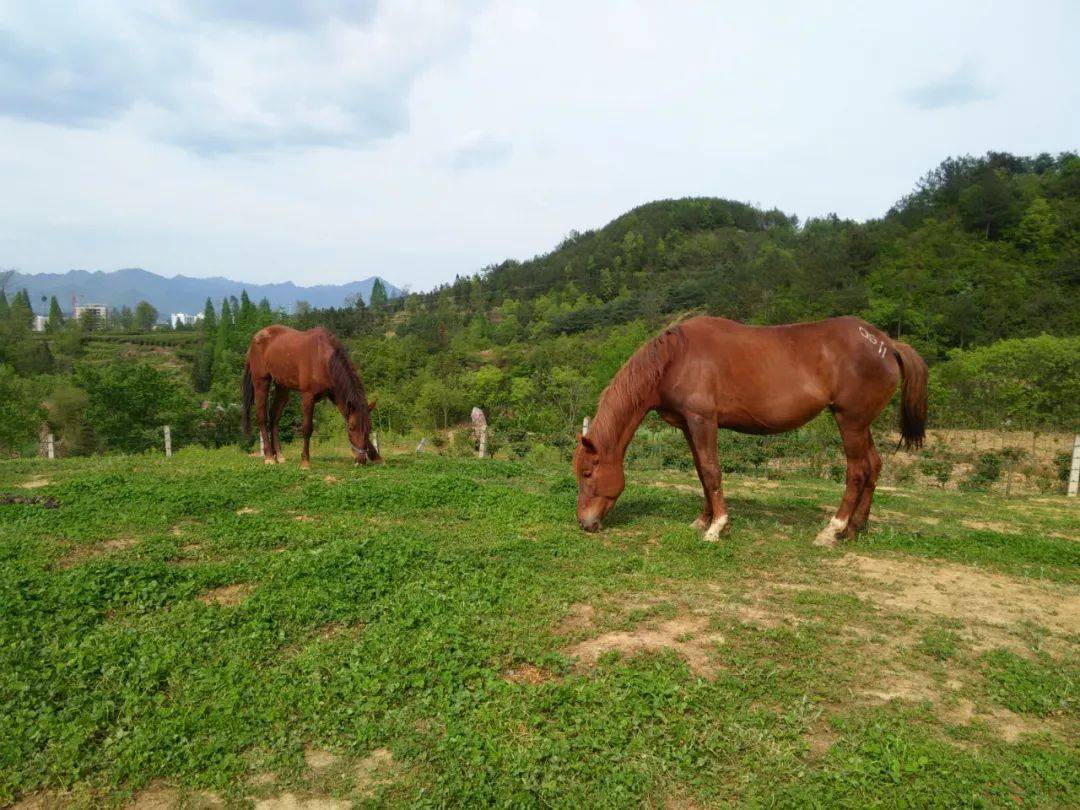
(375, 439)
(168, 442)
(50, 446)
(483, 442)
(585, 426)
(1074, 474)
(420, 447)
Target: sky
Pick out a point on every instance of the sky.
(327, 141)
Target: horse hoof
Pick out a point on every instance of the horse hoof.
(269, 461)
(700, 524)
(305, 465)
(826, 538)
(716, 528)
(280, 459)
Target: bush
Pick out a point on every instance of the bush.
(936, 468)
(128, 403)
(987, 471)
(20, 415)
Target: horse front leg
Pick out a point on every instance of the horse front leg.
(856, 448)
(702, 432)
(281, 399)
(308, 426)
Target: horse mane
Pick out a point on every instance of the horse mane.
(348, 387)
(633, 383)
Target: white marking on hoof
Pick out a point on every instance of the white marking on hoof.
(717, 526)
(699, 524)
(269, 461)
(280, 458)
(305, 465)
(830, 534)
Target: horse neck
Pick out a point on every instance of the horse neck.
(618, 417)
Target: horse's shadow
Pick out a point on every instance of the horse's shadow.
(685, 507)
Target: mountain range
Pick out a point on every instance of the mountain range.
(179, 293)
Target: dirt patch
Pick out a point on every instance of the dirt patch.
(319, 760)
(961, 592)
(290, 801)
(304, 519)
(990, 526)
(527, 673)
(37, 500)
(331, 479)
(956, 711)
(247, 510)
(377, 768)
(889, 516)
(226, 595)
(84, 553)
(580, 618)
(686, 635)
(36, 482)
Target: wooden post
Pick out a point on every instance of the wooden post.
(585, 426)
(168, 442)
(420, 447)
(1074, 474)
(50, 446)
(482, 453)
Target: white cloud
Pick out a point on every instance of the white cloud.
(328, 141)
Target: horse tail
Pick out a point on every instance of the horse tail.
(248, 389)
(913, 396)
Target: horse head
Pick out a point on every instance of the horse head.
(358, 422)
(600, 482)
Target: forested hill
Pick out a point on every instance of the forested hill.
(983, 249)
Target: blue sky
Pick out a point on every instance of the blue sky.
(325, 141)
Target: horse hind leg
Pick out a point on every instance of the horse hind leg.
(856, 439)
(702, 433)
(281, 399)
(704, 520)
(262, 389)
(861, 514)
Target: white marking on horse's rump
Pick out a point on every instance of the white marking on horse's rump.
(873, 341)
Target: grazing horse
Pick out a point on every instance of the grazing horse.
(706, 373)
(315, 364)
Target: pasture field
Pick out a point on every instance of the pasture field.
(437, 632)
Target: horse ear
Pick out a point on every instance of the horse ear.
(586, 442)
(371, 405)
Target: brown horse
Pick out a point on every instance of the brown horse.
(707, 373)
(315, 364)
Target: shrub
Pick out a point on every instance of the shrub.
(987, 471)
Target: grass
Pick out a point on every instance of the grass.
(206, 623)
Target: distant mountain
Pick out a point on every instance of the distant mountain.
(179, 293)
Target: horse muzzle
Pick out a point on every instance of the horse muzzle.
(589, 524)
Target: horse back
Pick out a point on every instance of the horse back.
(773, 378)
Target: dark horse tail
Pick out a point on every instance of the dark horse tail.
(248, 388)
(913, 396)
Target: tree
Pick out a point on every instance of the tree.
(378, 296)
(146, 316)
(56, 316)
(5, 307)
(129, 402)
(20, 414)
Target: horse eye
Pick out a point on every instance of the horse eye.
(586, 474)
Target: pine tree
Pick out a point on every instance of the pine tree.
(203, 367)
(56, 316)
(378, 296)
(5, 307)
